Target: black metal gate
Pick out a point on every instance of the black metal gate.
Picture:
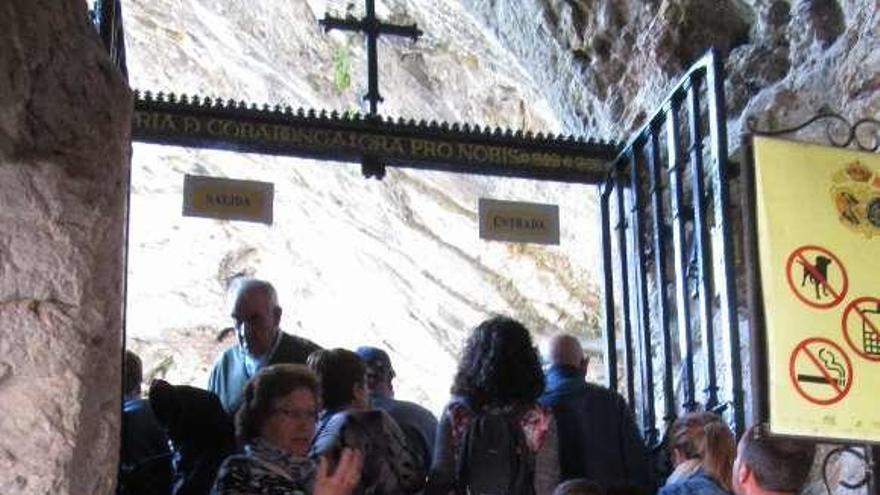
(668, 259)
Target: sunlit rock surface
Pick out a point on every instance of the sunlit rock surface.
(396, 263)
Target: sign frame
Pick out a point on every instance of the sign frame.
(518, 215)
(262, 194)
(759, 352)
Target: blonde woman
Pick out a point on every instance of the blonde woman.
(702, 448)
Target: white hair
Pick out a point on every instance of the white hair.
(240, 285)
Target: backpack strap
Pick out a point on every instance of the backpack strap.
(535, 423)
(460, 417)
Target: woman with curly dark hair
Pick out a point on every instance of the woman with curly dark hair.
(493, 436)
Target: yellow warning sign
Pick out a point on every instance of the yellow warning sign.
(818, 221)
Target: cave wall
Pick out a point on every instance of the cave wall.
(607, 64)
(64, 147)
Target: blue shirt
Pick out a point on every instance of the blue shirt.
(699, 483)
(232, 371)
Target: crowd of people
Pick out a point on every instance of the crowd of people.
(281, 415)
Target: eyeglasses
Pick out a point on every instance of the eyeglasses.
(298, 414)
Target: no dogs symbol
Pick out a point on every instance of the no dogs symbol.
(820, 371)
(816, 276)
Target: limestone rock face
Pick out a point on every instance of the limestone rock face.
(606, 64)
(64, 151)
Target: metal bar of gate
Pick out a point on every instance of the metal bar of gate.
(701, 240)
(106, 14)
(641, 280)
(726, 279)
(109, 13)
(608, 288)
(757, 337)
(659, 249)
(628, 362)
(683, 313)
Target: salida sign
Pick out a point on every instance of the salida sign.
(228, 199)
(820, 275)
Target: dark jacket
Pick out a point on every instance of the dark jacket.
(145, 458)
(229, 376)
(200, 431)
(598, 437)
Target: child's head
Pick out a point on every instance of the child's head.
(578, 486)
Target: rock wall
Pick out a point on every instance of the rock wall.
(64, 151)
(606, 64)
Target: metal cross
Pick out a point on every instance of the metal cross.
(372, 28)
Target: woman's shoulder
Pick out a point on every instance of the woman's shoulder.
(234, 476)
(237, 464)
(698, 484)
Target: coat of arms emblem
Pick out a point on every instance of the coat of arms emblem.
(855, 192)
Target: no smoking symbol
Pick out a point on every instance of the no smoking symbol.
(821, 372)
(861, 327)
(816, 277)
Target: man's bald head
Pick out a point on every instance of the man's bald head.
(565, 350)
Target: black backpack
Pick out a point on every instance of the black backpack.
(391, 466)
(492, 455)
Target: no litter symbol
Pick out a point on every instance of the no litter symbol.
(816, 276)
(820, 371)
(861, 327)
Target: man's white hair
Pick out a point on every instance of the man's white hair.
(240, 285)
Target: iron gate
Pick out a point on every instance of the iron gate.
(666, 236)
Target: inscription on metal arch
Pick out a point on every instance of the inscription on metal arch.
(333, 141)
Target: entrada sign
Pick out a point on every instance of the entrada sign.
(516, 221)
(217, 125)
(819, 262)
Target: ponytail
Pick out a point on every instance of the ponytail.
(719, 453)
(703, 436)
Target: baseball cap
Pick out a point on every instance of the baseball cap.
(376, 359)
